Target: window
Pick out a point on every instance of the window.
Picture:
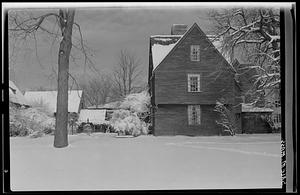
(277, 118)
(195, 52)
(194, 113)
(193, 82)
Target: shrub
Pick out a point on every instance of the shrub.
(227, 119)
(29, 122)
(126, 122)
(42, 106)
(134, 111)
(136, 102)
(17, 130)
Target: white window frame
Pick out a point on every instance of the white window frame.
(195, 53)
(194, 115)
(198, 76)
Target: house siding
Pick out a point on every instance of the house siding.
(173, 120)
(171, 74)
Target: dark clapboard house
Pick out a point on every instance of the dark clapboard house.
(187, 74)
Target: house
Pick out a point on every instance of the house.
(15, 96)
(49, 100)
(187, 75)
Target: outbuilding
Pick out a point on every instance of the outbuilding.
(256, 119)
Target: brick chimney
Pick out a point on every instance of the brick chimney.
(178, 29)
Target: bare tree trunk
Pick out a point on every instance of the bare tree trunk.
(61, 126)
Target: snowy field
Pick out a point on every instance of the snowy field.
(104, 162)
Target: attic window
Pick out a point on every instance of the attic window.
(193, 82)
(195, 52)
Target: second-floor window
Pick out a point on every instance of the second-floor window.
(193, 82)
(194, 114)
(195, 52)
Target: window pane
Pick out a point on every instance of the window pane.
(193, 83)
(195, 52)
(194, 115)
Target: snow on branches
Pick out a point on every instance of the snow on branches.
(30, 122)
(137, 102)
(252, 36)
(227, 118)
(130, 119)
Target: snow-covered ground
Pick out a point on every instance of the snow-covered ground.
(104, 162)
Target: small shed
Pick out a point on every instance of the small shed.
(95, 116)
(256, 119)
(109, 107)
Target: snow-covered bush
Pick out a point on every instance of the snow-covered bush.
(42, 106)
(136, 102)
(130, 118)
(227, 119)
(29, 121)
(126, 122)
(39, 117)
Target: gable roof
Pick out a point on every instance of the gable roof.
(171, 42)
(15, 95)
(110, 106)
(50, 98)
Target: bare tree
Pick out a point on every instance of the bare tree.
(24, 25)
(126, 73)
(252, 34)
(98, 89)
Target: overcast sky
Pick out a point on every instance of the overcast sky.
(106, 31)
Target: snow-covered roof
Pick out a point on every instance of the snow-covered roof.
(94, 116)
(251, 108)
(110, 105)
(15, 95)
(50, 98)
(161, 45)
